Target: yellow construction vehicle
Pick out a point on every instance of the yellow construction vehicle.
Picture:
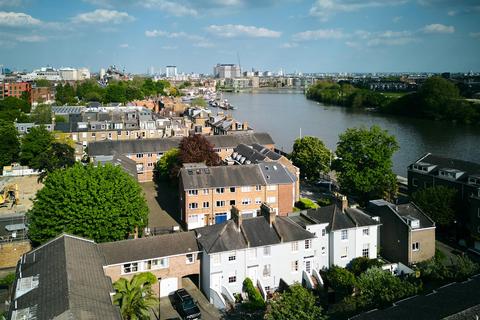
(9, 194)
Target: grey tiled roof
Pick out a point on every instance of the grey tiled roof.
(402, 211)
(165, 144)
(149, 248)
(222, 176)
(276, 173)
(339, 220)
(71, 282)
(257, 231)
(470, 168)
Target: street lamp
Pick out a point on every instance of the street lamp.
(159, 279)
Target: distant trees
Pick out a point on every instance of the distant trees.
(438, 203)
(311, 156)
(41, 114)
(135, 297)
(34, 143)
(296, 303)
(65, 94)
(9, 143)
(12, 108)
(197, 148)
(101, 203)
(364, 163)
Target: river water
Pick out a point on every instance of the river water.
(287, 115)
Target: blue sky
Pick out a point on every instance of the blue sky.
(296, 35)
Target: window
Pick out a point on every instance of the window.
(295, 266)
(139, 155)
(206, 204)
(252, 253)
(344, 234)
(308, 244)
(156, 264)
(150, 155)
(216, 259)
(267, 251)
(93, 134)
(130, 267)
(295, 246)
(324, 232)
(232, 279)
(246, 201)
(232, 189)
(193, 205)
(258, 200)
(266, 270)
(190, 258)
(324, 250)
(192, 192)
(193, 218)
(366, 232)
(150, 164)
(258, 188)
(220, 203)
(246, 189)
(271, 199)
(344, 253)
(232, 257)
(271, 187)
(414, 182)
(415, 246)
(220, 190)
(232, 202)
(366, 250)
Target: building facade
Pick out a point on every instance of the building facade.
(14, 89)
(226, 71)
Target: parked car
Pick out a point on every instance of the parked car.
(326, 185)
(186, 307)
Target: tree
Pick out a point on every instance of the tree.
(58, 156)
(198, 149)
(361, 264)
(341, 280)
(378, 288)
(296, 303)
(14, 109)
(42, 83)
(65, 94)
(101, 203)
(135, 297)
(34, 143)
(255, 299)
(364, 163)
(435, 95)
(42, 114)
(10, 144)
(168, 165)
(311, 156)
(115, 92)
(199, 102)
(438, 203)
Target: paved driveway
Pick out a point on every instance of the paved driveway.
(163, 205)
(209, 312)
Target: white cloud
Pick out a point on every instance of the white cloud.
(397, 19)
(325, 8)
(475, 35)
(169, 47)
(123, 45)
(103, 16)
(31, 38)
(438, 28)
(238, 30)
(197, 41)
(100, 3)
(452, 13)
(10, 3)
(289, 45)
(17, 19)
(173, 8)
(320, 34)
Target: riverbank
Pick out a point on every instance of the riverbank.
(266, 90)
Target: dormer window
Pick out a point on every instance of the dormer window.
(450, 173)
(25, 285)
(474, 180)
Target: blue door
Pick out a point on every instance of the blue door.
(220, 217)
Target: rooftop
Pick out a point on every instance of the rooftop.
(444, 163)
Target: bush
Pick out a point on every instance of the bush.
(305, 203)
(361, 264)
(8, 280)
(341, 280)
(323, 202)
(255, 300)
(464, 268)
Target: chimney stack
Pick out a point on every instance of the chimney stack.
(344, 203)
(236, 216)
(268, 213)
(245, 126)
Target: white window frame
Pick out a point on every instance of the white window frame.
(344, 234)
(271, 187)
(220, 190)
(206, 204)
(246, 189)
(416, 246)
(232, 258)
(366, 250)
(246, 201)
(193, 205)
(308, 244)
(294, 266)
(271, 199)
(267, 271)
(131, 266)
(216, 259)
(258, 200)
(232, 279)
(366, 231)
(267, 251)
(190, 258)
(193, 192)
(344, 254)
(222, 203)
(295, 246)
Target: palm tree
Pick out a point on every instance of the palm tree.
(135, 297)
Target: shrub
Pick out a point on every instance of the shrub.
(306, 203)
(361, 264)
(341, 280)
(255, 300)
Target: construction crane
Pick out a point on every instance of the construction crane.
(9, 194)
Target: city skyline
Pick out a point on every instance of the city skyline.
(295, 35)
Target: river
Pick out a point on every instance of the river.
(285, 115)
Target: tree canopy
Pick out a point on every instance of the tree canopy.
(65, 94)
(364, 163)
(311, 156)
(34, 143)
(296, 303)
(10, 143)
(101, 203)
(438, 203)
(12, 108)
(41, 114)
(168, 165)
(341, 280)
(197, 148)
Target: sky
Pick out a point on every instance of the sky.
(194, 35)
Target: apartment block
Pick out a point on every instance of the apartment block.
(14, 89)
(208, 193)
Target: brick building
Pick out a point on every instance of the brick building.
(14, 89)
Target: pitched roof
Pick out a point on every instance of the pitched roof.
(454, 301)
(338, 220)
(276, 173)
(149, 248)
(71, 282)
(470, 168)
(221, 176)
(402, 211)
(255, 232)
(107, 147)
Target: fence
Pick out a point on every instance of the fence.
(13, 228)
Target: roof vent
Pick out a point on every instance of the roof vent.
(207, 171)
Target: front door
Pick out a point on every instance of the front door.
(220, 217)
(252, 272)
(216, 281)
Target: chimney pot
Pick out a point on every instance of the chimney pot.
(236, 216)
(268, 213)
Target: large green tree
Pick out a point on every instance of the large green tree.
(42, 114)
(10, 144)
(197, 148)
(438, 203)
(135, 297)
(311, 156)
(34, 143)
(341, 280)
(65, 94)
(168, 165)
(437, 94)
(364, 163)
(12, 108)
(101, 203)
(57, 156)
(296, 303)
